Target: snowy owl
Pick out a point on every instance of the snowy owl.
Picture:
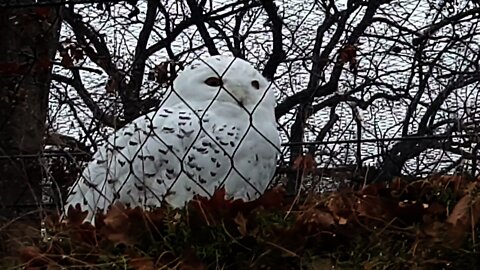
(215, 129)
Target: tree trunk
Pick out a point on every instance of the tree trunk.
(28, 45)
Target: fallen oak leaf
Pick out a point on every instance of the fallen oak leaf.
(453, 181)
(315, 219)
(155, 216)
(141, 263)
(241, 221)
(305, 163)
(342, 221)
(77, 227)
(466, 212)
(121, 225)
(218, 204)
(33, 256)
(339, 205)
(273, 198)
(75, 215)
(463, 218)
(212, 209)
(436, 209)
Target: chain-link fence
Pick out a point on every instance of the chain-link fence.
(360, 92)
(215, 129)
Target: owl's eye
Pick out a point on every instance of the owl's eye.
(213, 81)
(256, 84)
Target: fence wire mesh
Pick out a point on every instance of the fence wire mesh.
(215, 129)
(371, 91)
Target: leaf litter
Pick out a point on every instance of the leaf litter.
(423, 224)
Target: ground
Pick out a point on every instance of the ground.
(423, 224)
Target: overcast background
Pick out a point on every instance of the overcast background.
(383, 119)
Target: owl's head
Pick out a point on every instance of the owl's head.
(224, 79)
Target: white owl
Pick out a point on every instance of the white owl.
(215, 128)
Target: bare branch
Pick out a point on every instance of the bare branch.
(198, 19)
(277, 49)
(97, 112)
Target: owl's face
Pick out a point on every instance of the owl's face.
(224, 79)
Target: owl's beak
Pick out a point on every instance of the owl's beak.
(236, 89)
(240, 98)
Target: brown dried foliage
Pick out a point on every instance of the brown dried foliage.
(421, 224)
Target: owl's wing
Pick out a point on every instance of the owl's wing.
(138, 164)
(234, 156)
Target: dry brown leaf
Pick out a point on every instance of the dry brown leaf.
(305, 163)
(338, 205)
(467, 210)
(113, 84)
(117, 225)
(464, 216)
(348, 54)
(433, 230)
(272, 198)
(116, 216)
(316, 219)
(436, 208)
(67, 60)
(142, 263)
(324, 219)
(75, 215)
(454, 181)
(241, 221)
(34, 258)
(161, 73)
